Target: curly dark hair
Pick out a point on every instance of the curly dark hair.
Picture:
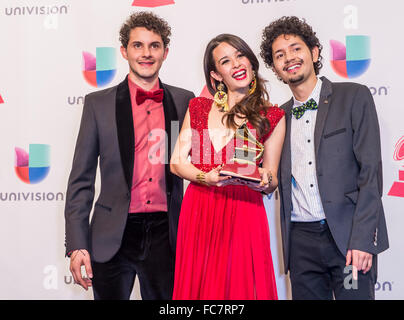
(147, 20)
(289, 26)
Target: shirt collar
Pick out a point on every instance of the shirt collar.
(315, 94)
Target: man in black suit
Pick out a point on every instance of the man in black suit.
(127, 129)
(332, 217)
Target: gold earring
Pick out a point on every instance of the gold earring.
(253, 84)
(220, 98)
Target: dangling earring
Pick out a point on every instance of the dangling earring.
(253, 84)
(220, 98)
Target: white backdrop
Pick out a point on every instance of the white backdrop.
(41, 98)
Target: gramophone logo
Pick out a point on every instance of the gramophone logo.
(353, 59)
(151, 3)
(397, 190)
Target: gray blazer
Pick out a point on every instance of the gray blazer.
(348, 166)
(106, 137)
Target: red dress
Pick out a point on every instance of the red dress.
(223, 250)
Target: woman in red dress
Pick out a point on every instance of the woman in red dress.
(223, 249)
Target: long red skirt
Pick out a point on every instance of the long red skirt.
(223, 249)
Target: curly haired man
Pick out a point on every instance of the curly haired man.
(126, 129)
(332, 218)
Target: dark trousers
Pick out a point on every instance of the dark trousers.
(317, 267)
(145, 252)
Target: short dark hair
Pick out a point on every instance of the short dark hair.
(147, 20)
(289, 26)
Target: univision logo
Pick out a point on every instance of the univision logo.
(151, 3)
(384, 286)
(99, 70)
(352, 60)
(34, 166)
(36, 10)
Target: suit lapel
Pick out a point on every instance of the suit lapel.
(124, 124)
(286, 163)
(170, 114)
(323, 107)
(286, 153)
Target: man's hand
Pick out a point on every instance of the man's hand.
(360, 261)
(79, 258)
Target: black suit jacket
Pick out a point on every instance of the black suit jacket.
(106, 137)
(348, 167)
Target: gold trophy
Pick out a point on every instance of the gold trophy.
(247, 152)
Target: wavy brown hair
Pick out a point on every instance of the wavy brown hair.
(147, 20)
(251, 105)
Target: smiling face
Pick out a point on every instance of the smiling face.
(145, 54)
(293, 60)
(232, 67)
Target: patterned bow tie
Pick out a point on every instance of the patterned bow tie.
(142, 96)
(298, 112)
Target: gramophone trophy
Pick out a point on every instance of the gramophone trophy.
(248, 150)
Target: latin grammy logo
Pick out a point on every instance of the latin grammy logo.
(397, 190)
(152, 3)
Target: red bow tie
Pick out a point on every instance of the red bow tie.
(142, 96)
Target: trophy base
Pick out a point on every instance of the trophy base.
(236, 171)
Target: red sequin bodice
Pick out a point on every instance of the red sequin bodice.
(203, 154)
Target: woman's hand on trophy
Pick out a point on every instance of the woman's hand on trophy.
(213, 177)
